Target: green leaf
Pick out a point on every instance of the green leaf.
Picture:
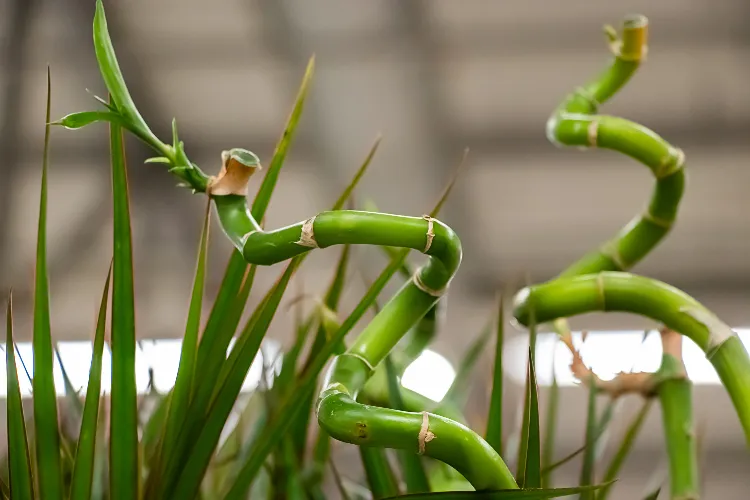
(231, 379)
(83, 469)
(626, 445)
(412, 468)
(654, 495)
(347, 192)
(113, 79)
(339, 483)
(548, 450)
(47, 434)
(459, 390)
(525, 494)
(222, 322)
(267, 187)
(123, 452)
(179, 400)
(19, 463)
(75, 406)
(529, 442)
(380, 477)
(587, 469)
(494, 433)
(78, 120)
(533, 477)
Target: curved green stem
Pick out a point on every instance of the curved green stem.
(338, 411)
(576, 123)
(625, 292)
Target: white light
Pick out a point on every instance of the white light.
(162, 356)
(606, 353)
(430, 375)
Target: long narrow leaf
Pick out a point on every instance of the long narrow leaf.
(626, 445)
(412, 468)
(380, 477)
(46, 428)
(19, 463)
(186, 372)
(526, 422)
(587, 468)
(237, 365)
(83, 469)
(339, 482)
(459, 390)
(548, 449)
(494, 432)
(533, 454)
(75, 406)
(123, 449)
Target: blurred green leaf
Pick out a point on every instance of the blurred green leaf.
(526, 442)
(186, 372)
(339, 483)
(380, 477)
(263, 198)
(230, 382)
(653, 496)
(45, 398)
(123, 451)
(19, 462)
(532, 470)
(626, 445)
(548, 450)
(412, 468)
(587, 468)
(494, 432)
(526, 494)
(460, 388)
(83, 470)
(72, 398)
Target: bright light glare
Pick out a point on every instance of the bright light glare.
(607, 353)
(162, 356)
(430, 375)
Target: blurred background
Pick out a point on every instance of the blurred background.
(434, 77)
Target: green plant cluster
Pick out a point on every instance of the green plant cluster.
(205, 439)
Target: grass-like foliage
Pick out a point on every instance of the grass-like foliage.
(205, 439)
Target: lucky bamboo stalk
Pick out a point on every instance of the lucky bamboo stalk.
(676, 398)
(576, 123)
(338, 411)
(625, 292)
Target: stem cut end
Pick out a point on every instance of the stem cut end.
(237, 165)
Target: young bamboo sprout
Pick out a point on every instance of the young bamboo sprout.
(576, 123)
(625, 292)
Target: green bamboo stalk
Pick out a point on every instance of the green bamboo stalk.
(625, 292)
(676, 398)
(576, 123)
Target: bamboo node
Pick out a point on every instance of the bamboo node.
(657, 221)
(610, 250)
(430, 232)
(307, 235)
(425, 434)
(592, 132)
(600, 290)
(429, 291)
(718, 331)
(671, 163)
(361, 358)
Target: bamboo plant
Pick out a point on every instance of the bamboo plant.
(176, 450)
